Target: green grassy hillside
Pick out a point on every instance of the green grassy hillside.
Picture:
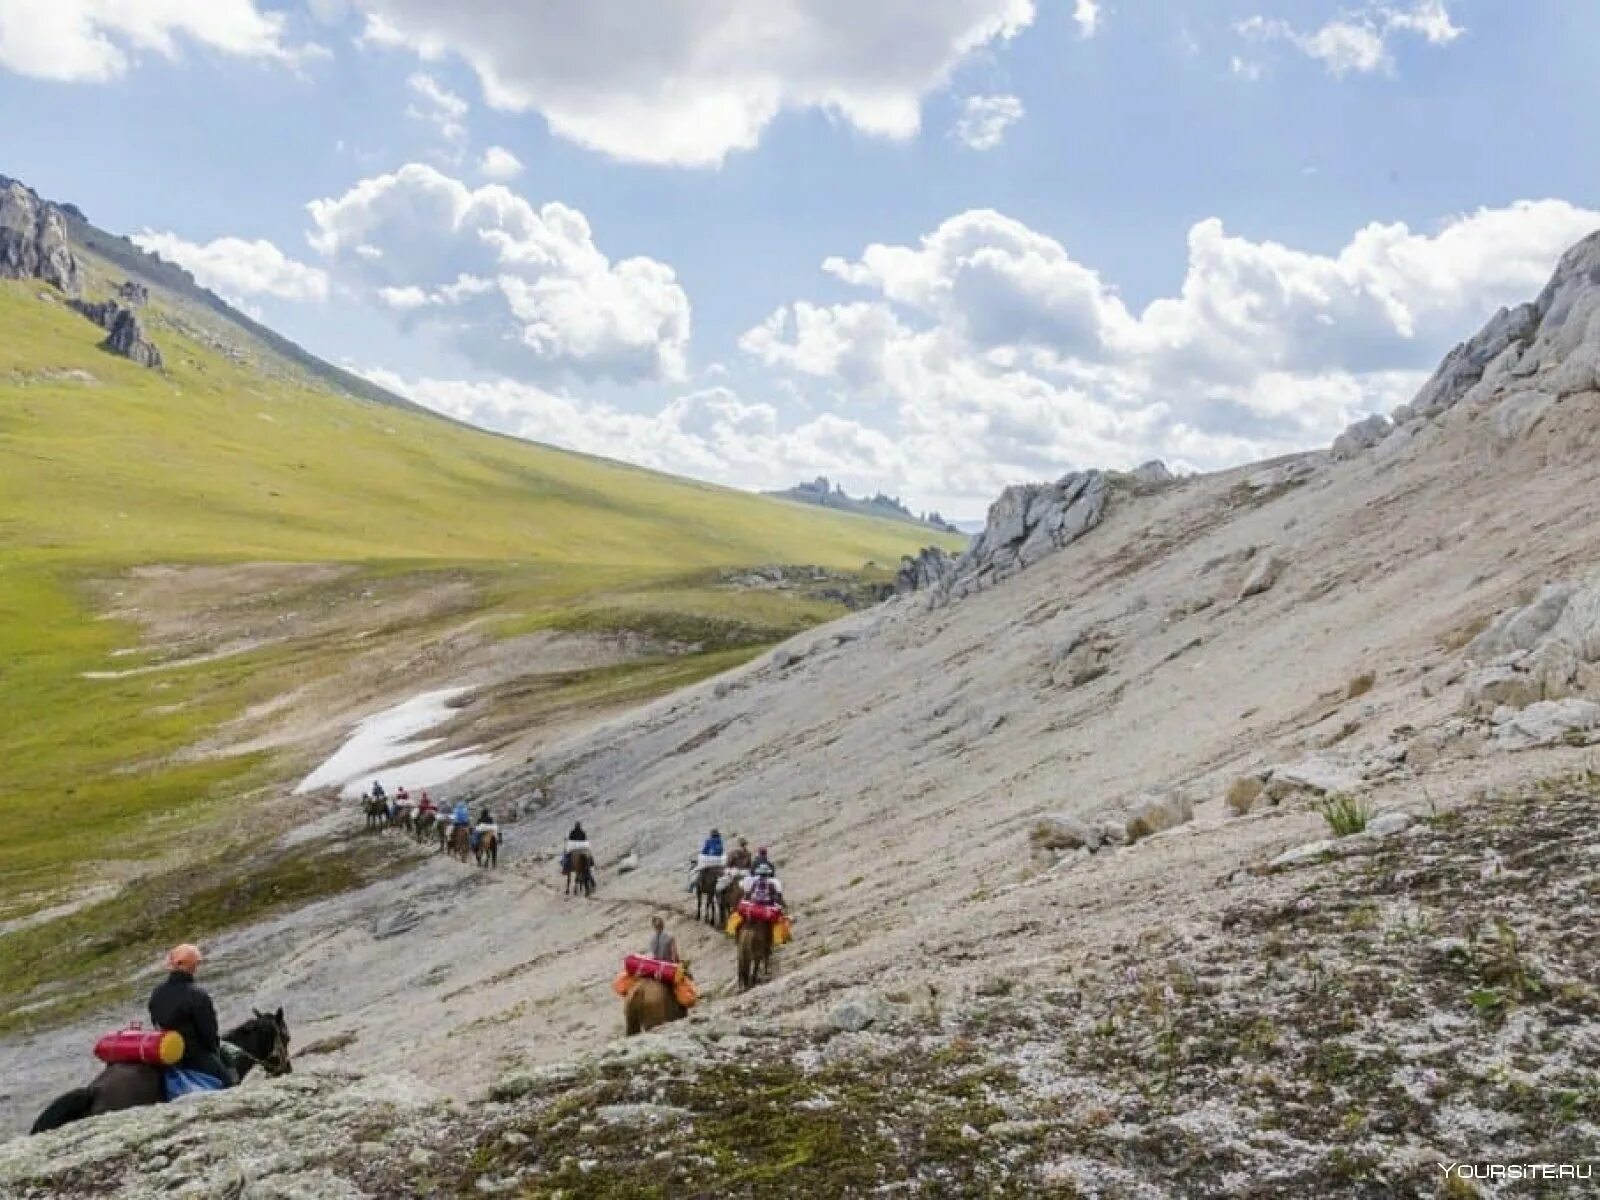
(106, 466)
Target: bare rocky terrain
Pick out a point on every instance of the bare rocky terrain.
(1070, 918)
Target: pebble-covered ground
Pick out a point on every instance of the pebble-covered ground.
(1355, 1022)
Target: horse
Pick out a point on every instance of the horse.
(376, 812)
(580, 866)
(487, 851)
(262, 1041)
(458, 845)
(649, 1004)
(728, 897)
(705, 894)
(755, 953)
(422, 824)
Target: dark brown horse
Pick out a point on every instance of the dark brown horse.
(651, 1003)
(728, 898)
(487, 851)
(459, 842)
(755, 953)
(705, 894)
(376, 812)
(580, 870)
(262, 1041)
(422, 825)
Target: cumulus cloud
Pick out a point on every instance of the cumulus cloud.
(686, 82)
(513, 286)
(710, 434)
(1358, 42)
(438, 106)
(92, 41)
(235, 268)
(1004, 357)
(1087, 14)
(499, 164)
(984, 120)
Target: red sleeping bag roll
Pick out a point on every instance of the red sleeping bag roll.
(641, 967)
(153, 1047)
(752, 911)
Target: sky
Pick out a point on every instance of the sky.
(928, 247)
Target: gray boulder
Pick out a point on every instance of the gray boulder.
(1518, 413)
(1362, 435)
(1548, 649)
(1547, 723)
(1262, 576)
(927, 570)
(1152, 474)
(1027, 522)
(127, 338)
(33, 239)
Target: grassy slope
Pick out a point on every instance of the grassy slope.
(209, 461)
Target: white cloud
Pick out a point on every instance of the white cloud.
(438, 106)
(1358, 42)
(1005, 358)
(92, 41)
(512, 286)
(236, 268)
(709, 434)
(499, 164)
(1087, 14)
(686, 82)
(985, 119)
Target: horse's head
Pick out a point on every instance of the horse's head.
(265, 1037)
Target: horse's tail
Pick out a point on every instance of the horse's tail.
(64, 1109)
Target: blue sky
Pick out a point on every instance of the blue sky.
(928, 246)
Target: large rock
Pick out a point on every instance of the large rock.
(1518, 413)
(930, 568)
(1027, 522)
(1152, 474)
(1547, 723)
(127, 338)
(1548, 649)
(1362, 435)
(1464, 366)
(1263, 575)
(1319, 776)
(33, 239)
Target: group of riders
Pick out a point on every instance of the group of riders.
(179, 1005)
(420, 815)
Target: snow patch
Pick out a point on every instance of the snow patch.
(387, 737)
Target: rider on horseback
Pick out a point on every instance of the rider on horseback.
(739, 859)
(179, 1004)
(462, 814)
(764, 888)
(485, 825)
(663, 946)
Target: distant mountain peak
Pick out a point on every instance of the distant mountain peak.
(824, 493)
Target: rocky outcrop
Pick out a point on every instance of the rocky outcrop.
(128, 339)
(1548, 649)
(926, 570)
(1153, 474)
(1522, 363)
(33, 239)
(1362, 435)
(132, 294)
(1026, 523)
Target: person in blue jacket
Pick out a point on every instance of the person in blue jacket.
(713, 846)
